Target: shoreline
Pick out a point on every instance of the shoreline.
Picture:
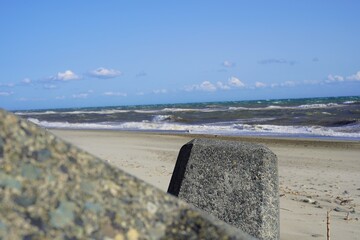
(249, 137)
(315, 175)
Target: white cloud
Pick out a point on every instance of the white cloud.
(338, 78)
(80, 95)
(228, 64)
(235, 82)
(158, 91)
(354, 77)
(284, 84)
(68, 75)
(207, 86)
(7, 84)
(288, 84)
(312, 82)
(5, 94)
(60, 97)
(260, 85)
(105, 73)
(23, 99)
(335, 78)
(140, 93)
(222, 86)
(26, 81)
(115, 94)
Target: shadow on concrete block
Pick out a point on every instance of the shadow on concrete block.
(235, 181)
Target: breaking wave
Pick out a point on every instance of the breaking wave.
(158, 124)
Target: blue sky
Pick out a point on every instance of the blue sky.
(57, 54)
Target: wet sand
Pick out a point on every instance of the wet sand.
(315, 175)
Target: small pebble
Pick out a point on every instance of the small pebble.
(337, 209)
(308, 200)
(132, 234)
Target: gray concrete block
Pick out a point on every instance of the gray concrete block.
(50, 189)
(234, 181)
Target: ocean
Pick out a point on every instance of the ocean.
(333, 118)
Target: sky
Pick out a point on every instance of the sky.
(61, 54)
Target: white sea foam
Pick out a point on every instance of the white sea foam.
(176, 110)
(36, 113)
(327, 105)
(98, 112)
(147, 111)
(114, 111)
(179, 110)
(161, 118)
(298, 130)
(240, 108)
(221, 129)
(349, 102)
(193, 109)
(152, 111)
(272, 107)
(277, 107)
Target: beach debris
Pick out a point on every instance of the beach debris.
(328, 225)
(317, 235)
(347, 218)
(286, 209)
(290, 191)
(309, 200)
(343, 201)
(337, 209)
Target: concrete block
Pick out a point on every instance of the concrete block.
(235, 181)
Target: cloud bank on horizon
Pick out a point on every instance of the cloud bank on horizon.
(119, 54)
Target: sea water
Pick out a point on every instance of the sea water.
(333, 117)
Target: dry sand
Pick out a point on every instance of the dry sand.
(315, 176)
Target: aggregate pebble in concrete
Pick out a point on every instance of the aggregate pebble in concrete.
(50, 189)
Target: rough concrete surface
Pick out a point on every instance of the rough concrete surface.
(234, 181)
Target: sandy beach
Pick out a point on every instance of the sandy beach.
(315, 175)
